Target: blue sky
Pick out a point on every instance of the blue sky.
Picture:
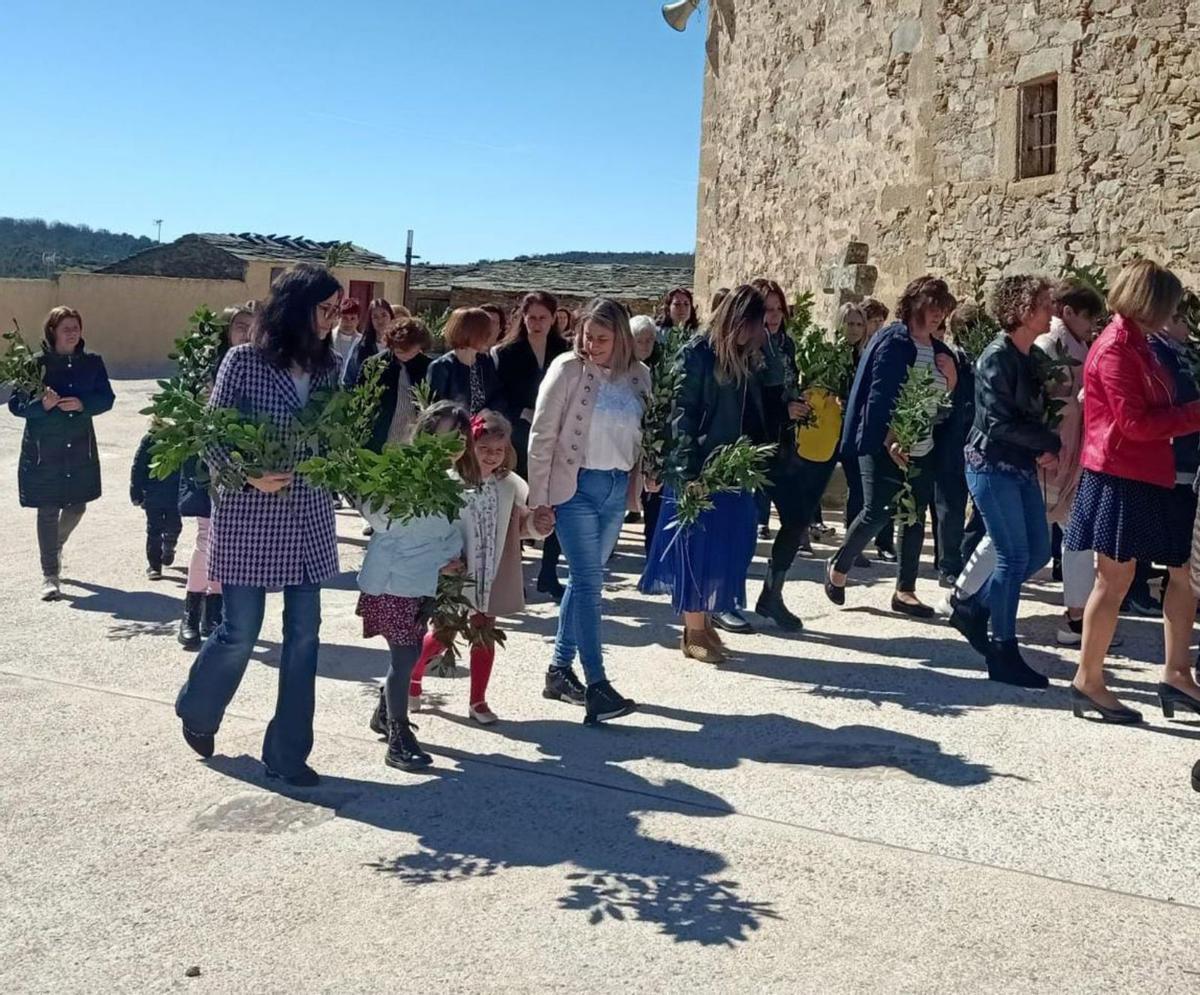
(491, 127)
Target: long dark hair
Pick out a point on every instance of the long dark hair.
(370, 338)
(546, 300)
(285, 328)
(664, 310)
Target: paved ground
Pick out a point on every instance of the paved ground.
(857, 809)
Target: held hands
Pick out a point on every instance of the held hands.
(455, 566)
(50, 400)
(70, 404)
(947, 368)
(271, 483)
(543, 519)
(1047, 461)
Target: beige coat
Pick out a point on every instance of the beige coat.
(1061, 483)
(561, 424)
(505, 591)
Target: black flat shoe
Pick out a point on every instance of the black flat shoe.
(204, 743)
(834, 593)
(917, 610)
(732, 621)
(379, 718)
(886, 556)
(1081, 704)
(305, 777)
(1170, 698)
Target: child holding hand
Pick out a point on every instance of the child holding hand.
(494, 521)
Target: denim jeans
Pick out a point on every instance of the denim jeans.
(221, 662)
(1015, 515)
(588, 526)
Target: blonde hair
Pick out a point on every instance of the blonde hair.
(743, 306)
(607, 313)
(489, 424)
(1145, 293)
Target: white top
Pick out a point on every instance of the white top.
(615, 435)
(343, 344)
(303, 382)
(925, 357)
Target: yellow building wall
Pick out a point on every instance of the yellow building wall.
(133, 321)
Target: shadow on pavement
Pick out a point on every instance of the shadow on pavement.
(489, 816)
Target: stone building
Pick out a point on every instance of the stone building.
(948, 136)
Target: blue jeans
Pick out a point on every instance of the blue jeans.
(588, 526)
(1015, 515)
(221, 662)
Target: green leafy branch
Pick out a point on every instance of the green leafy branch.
(454, 617)
(660, 406)
(197, 351)
(1052, 371)
(921, 398)
(401, 482)
(740, 466)
(20, 370)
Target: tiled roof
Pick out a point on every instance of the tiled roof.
(568, 279)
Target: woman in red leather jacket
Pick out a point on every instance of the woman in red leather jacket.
(1126, 508)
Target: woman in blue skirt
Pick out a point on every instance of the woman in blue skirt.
(719, 401)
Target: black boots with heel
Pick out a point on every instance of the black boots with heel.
(770, 602)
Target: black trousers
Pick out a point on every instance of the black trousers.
(881, 481)
(54, 528)
(949, 518)
(162, 529)
(795, 488)
(885, 542)
(651, 508)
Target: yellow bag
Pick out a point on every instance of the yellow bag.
(819, 441)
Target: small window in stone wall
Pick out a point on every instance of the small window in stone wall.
(276, 273)
(1038, 134)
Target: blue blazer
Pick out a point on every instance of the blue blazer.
(877, 381)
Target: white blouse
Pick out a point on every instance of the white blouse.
(615, 437)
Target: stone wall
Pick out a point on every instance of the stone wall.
(894, 123)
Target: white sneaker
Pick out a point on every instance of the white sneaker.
(483, 715)
(1070, 633)
(50, 590)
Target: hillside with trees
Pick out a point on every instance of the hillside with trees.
(672, 260)
(31, 247)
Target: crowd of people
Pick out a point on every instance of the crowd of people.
(1094, 468)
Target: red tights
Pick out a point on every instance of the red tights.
(482, 660)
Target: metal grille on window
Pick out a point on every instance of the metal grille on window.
(1039, 129)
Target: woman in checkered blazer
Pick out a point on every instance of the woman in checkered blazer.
(275, 534)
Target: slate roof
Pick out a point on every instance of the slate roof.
(563, 279)
(217, 256)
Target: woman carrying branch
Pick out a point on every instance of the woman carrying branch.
(882, 462)
(266, 541)
(703, 567)
(58, 472)
(585, 439)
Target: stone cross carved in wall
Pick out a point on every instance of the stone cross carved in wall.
(851, 278)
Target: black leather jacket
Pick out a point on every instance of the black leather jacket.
(1010, 424)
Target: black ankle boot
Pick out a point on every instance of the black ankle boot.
(970, 618)
(189, 625)
(770, 602)
(1007, 666)
(379, 718)
(550, 584)
(404, 752)
(604, 702)
(214, 612)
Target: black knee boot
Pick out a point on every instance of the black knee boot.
(771, 605)
(189, 625)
